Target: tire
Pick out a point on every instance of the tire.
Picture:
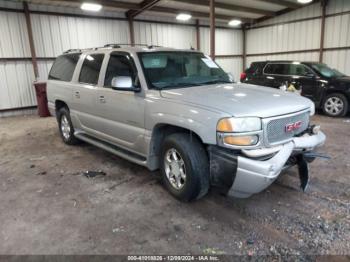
(66, 127)
(330, 103)
(194, 164)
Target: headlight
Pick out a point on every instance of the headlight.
(239, 132)
(239, 124)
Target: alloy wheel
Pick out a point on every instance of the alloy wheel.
(334, 106)
(175, 169)
(65, 127)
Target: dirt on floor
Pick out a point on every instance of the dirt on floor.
(48, 206)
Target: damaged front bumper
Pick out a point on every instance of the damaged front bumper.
(247, 176)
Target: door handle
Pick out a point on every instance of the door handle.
(102, 99)
(77, 94)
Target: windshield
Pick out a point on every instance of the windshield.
(181, 69)
(326, 71)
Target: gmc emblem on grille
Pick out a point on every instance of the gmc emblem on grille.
(293, 126)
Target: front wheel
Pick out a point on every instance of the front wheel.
(335, 105)
(185, 167)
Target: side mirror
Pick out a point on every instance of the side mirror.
(124, 83)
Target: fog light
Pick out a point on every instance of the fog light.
(241, 140)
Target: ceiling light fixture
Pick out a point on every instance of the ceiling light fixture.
(91, 7)
(235, 22)
(304, 1)
(183, 17)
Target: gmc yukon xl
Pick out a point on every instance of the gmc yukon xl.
(178, 111)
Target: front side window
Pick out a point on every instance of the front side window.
(90, 69)
(298, 70)
(63, 67)
(180, 69)
(326, 71)
(119, 65)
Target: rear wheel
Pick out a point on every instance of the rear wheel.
(335, 105)
(66, 127)
(185, 167)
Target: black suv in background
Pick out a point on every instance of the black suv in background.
(327, 88)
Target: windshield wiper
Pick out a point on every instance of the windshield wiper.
(216, 82)
(179, 85)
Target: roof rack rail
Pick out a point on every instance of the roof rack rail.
(79, 50)
(126, 44)
(72, 51)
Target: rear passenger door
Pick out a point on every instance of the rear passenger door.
(84, 92)
(275, 74)
(121, 113)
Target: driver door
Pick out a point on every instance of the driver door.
(121, 113)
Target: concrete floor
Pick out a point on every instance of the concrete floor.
(48, 207)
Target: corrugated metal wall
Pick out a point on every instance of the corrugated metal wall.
(337, 34)
(286, 37)
(303, 36)
(54, 34)
(176, 36)
(228, 42)
(15, 76)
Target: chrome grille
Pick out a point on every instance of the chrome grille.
(276, 128)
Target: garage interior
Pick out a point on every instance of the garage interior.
(49, 207)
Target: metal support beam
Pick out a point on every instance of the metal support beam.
(143, 6)
(244, 47)
(198, 35)
(230, 7)
(323, 25)
(161, 9)
(131, 30)
(212, 28)
(285, 3)
(31, 41)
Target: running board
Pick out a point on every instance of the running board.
(135, 158)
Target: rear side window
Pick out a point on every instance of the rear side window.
(90, 69)
(63, 67)
(276, 69)
(255, 68)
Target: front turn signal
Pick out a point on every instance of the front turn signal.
(241, 140)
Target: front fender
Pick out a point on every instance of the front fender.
(198, 120)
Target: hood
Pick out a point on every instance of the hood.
(343, 79)
(240, 99)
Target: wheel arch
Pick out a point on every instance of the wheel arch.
(159, 132)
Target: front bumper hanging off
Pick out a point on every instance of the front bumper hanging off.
(250, 176)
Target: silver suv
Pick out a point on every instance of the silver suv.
(178, 111)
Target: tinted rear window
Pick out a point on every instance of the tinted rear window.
(90, 69)
(63, 67)
(276, 69)
(255, 68)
